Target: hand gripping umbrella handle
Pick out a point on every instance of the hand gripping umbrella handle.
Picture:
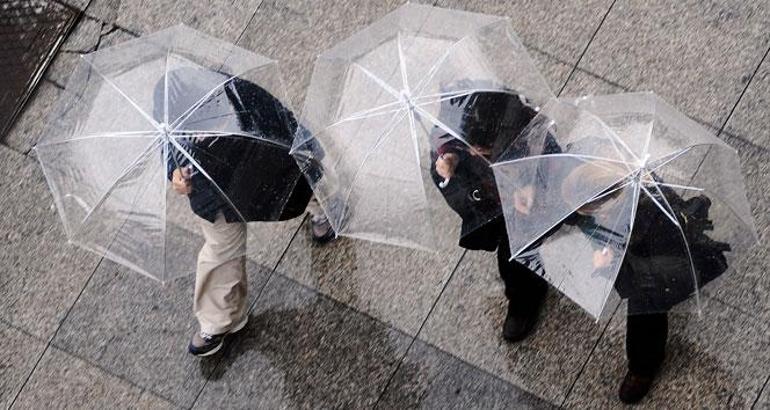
(444, 183)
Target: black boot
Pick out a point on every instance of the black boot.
(634, 388)
(521, 319)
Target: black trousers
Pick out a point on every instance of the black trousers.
(523, 288)
(646, 334)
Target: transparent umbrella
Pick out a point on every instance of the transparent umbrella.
(382, 102)
(622, 196)
(134, 113)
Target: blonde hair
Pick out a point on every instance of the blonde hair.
(597, 179)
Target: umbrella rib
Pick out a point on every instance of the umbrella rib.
(130, 101)
(198, 167)
(582, 157)
(415, 143)
(634, 208)
(449, 131)
(379, 81)
(225, 134)
(659, 205)
(185, 115)
(689, 253)
(362, 117)
(565, 216)
(677, 186)
(402, 62)
(165, 86)
(116, 135)
(378, 143)
(434, 69)
(129, 168)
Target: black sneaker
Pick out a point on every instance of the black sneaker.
(321, 230)
(203, 344)
(634, 388)
(521, 320)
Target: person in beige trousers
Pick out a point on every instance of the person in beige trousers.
(221, 284)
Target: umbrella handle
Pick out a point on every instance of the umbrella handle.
(444, 183)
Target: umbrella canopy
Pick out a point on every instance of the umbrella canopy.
(133, 114)
(623, 195)
(381, 104)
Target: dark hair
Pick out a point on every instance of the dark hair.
(488, 115)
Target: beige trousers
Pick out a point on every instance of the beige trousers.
(220, 279)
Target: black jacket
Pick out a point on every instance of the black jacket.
(492, 119)
(259, 179)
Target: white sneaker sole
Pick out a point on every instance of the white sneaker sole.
(235, 329)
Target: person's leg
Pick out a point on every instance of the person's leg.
(646, 336)
(525, 291)
(321, 230)
(220, 300)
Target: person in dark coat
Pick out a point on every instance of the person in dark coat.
(230, 156)
(488, 122)
(657, 272)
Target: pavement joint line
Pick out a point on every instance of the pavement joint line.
(590, 356)
(22, 330)
(424, 321)
(53, 336)
(743, 92)
(588, 45)
(254, 303)
(248, 23)
(761, 390)
(109, 372)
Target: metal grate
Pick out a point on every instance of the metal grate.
(31, 32)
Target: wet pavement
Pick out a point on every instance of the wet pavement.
(361, 325)
(31, 32)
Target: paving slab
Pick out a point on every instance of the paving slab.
(294, 32)
(224, 19)
(696, 55)
(394, 284)
(31, 123)
(583, 83)
(139, 329)
(763, 401)
(83, 39)
(467, 322)
(63, 381)
(752, 115)
(304, 350)
(719, 361)
(42, 274)
(432, 379)
(560, 28)
(18, 354)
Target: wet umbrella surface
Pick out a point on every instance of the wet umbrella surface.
(176, 100)
(383, 102)
(623, 196)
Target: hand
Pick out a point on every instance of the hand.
(523, 198)
(446, 164)
(603, 258)
(180, 180)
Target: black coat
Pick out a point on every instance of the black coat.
(656, 273)
(497, 118)
(260, 179)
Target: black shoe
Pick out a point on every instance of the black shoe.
(203, 344)
(321, 230)
(634, 388)
(521, 320)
